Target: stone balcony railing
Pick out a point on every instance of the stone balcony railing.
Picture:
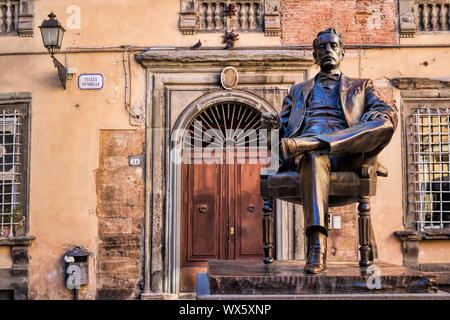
(249, 16)
(16, 17)
(433, 16)
(424, 16)
(9, 16)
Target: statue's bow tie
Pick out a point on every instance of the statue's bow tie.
(327, 76)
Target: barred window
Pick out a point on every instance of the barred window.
(428, 167)
(13, 165)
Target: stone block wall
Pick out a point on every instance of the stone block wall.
(120, 211)
(360, 21)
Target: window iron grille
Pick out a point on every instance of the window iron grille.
(11, 168)
(428, 167)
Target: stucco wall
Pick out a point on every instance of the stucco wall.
(64, 157)
(387, 206)
(5, 258)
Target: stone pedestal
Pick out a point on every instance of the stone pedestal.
(283, 278)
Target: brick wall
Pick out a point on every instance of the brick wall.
(120, 211)
(360, 21)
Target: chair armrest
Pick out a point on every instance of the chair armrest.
(382, 171)
(270, 120)
(367, 171)
(372, 171)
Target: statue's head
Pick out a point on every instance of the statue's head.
(328, 49)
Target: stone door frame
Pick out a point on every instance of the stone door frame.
(264, 77)
(173, 224)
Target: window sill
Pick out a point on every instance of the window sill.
(411, 235)
(16, 241)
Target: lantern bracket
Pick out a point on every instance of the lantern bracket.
(62, 71)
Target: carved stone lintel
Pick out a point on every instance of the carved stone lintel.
(26, 18)
(407, 19)
(409, 83)
(248, 57)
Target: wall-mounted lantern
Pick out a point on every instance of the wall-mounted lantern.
(52, 35)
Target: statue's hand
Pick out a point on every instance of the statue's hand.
(270, 120)
(374, 115)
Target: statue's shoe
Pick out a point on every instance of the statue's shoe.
(292, 147)
(317, 255)
(315, 268)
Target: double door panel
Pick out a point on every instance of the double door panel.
(221, 215)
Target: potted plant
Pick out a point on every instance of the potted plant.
(16, 220)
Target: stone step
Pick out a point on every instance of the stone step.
(286, 280)
(203, 293)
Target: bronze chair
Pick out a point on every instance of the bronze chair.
(345, 188)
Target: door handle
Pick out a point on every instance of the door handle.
(251, 208)
(231, 231)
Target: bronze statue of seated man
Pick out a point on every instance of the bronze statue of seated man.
(328, 123)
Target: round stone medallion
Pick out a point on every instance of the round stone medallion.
(229, 78)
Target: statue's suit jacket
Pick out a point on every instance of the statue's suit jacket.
(357, 96)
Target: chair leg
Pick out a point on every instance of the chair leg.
(268, 230)
(363, 225)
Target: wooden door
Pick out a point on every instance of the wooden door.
(221, 216)
(248, 239)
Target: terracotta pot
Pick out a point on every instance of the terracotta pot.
(6, 231)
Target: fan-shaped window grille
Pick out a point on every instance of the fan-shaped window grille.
(226, 125)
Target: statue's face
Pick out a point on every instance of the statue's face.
(328, 53)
